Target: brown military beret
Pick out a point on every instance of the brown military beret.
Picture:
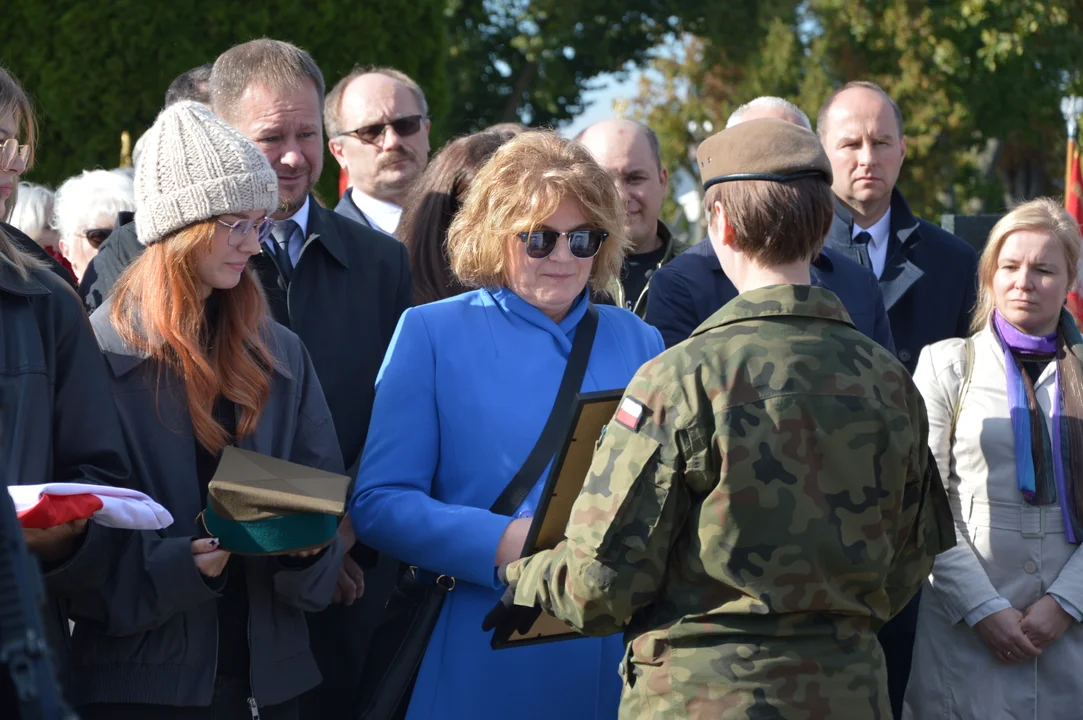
(765, 149)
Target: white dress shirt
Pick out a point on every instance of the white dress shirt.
(879, 242)
(383, 216)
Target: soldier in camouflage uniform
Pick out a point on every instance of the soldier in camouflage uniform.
(764, 499)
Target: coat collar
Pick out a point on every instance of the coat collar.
(515, 305)
(321, 228)
(121, 357)
(11, 282)
(348, 208)
(778, 301)
(899, 274)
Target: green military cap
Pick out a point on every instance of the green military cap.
(765, 149)
(259, 505)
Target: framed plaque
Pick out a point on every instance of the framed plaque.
(593, 411)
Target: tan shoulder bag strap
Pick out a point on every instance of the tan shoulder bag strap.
(968, 371)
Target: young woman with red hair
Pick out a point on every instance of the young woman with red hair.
(182, 628)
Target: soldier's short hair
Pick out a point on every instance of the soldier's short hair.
(775, 223)
(332, 109)
(519, 189)
(267, 63)
(1041, 215)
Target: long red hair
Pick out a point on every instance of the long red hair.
(158, 308)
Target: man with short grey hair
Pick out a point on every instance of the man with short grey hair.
(337, 284)
(377, 123)
(767, 106)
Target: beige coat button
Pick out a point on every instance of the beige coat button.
(1030, 567)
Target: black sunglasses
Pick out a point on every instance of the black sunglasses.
(403, 127)
(583, 244)
(96, 236)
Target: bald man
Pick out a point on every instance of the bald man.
(630, 151)
(377, 122)
(694, 286)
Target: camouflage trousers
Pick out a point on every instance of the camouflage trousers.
(772, 679)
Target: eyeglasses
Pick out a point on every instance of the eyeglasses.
(9, 150)
(583, 244)
(374, 134)
(239, 230)
(96, 236)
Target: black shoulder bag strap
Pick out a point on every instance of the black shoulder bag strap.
(559, 418)
(398, 645)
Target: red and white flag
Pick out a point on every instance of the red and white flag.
(52, 504)
(630, 413)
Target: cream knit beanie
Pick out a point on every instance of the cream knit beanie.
(194, 167)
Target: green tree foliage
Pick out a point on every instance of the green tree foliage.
(979, 83)
(531, 60)
(98, 68)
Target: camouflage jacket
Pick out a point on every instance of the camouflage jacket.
(761, 504)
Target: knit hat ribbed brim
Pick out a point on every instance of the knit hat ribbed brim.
(194, 167)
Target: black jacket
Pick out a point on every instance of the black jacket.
(346, 294)
(148, 633)
(691, 288)
(114, 256)
(57, 420)
(929, 282)
(31, 248)
(348, 208)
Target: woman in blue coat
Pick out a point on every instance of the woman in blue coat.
(465, 389)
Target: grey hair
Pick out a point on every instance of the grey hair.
(83, 197)
(332, 109)
(268, 63)
(33, 209)
(773, 103)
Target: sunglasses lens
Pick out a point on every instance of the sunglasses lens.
(581, 243)
(7, 152)
(407, 126)
(540, 243)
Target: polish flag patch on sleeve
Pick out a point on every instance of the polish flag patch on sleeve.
(630, 413)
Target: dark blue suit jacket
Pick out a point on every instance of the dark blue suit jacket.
(692, 287)
(929, 282)
(347, 208)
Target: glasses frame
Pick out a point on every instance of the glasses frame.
(9, 150)
(378, 138)
(239, 230)
(105, 232)
(548, 247)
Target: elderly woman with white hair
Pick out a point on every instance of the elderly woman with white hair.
(85, 210)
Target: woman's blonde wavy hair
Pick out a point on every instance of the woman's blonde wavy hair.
(520, 187)
(1039, 215)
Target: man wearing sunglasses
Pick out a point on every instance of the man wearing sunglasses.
(378, 129)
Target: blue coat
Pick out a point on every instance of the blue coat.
(929, 282)
(693, 287)
(464, 391)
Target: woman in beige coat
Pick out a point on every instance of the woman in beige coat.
(998, 633)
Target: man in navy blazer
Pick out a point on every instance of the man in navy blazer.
(928, 276)
(692, 287)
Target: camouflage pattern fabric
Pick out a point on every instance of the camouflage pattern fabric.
(774, 504)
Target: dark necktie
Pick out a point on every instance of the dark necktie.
(282, 232)
(861, 242)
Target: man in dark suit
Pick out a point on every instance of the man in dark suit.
(928, 276)
(340, 286)
(693, 286)
(377, 123)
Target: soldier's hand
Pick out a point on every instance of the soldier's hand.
(1045, 621)
(507, 614)
(1003, 633)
